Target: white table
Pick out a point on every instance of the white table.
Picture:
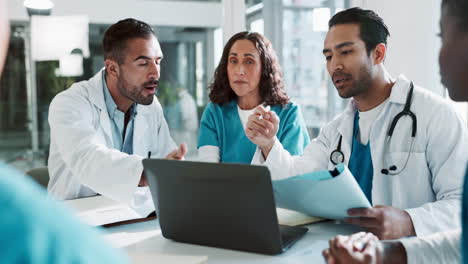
(147, 237)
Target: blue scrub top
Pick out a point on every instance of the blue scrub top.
(360, 162)
(464, 245)
(35, 228)
(221, 126)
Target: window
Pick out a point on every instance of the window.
(182, 90)
(297, 30)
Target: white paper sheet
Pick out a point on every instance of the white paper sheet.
(100, 210)
(293, 218)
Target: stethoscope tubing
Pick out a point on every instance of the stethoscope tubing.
(337, 155)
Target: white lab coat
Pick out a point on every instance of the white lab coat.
(441, 248)
(82, 162)
(429, 188)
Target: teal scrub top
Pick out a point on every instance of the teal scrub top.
(221, 126)
(360, 162)
(464, 245)
(35, 228)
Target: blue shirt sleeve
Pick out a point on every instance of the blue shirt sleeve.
(293, 133)
(208, 135)
(36, 229)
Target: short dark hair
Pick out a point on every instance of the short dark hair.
(117, 35)
(271, 84)
(459, 10)
(373, 30)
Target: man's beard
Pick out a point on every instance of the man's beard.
(134, 92)
(359, 86)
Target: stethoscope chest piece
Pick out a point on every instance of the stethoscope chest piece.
(337, 156)
(389, 168)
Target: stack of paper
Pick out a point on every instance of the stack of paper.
(100, 210)
(293, 218)
(316, 195)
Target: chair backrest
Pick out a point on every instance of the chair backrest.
(40, 175)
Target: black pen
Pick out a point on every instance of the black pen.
(149, 154)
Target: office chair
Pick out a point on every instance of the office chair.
(40, 175)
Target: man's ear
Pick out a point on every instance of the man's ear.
(379, 53)
(112, 67)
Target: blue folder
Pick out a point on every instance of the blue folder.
(321, 194)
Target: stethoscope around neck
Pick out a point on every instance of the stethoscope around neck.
(337, 155)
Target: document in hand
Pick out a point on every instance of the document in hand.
(320, 193)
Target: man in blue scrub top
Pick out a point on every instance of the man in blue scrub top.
(35, 229)
(413, 178)
(441, 247)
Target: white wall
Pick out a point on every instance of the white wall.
(413, 45)
(233, 18)
(163, 13)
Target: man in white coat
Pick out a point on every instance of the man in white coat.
(414, 182)
(443, 247)
(101, 129)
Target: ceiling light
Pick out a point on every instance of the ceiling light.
(38, 7)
